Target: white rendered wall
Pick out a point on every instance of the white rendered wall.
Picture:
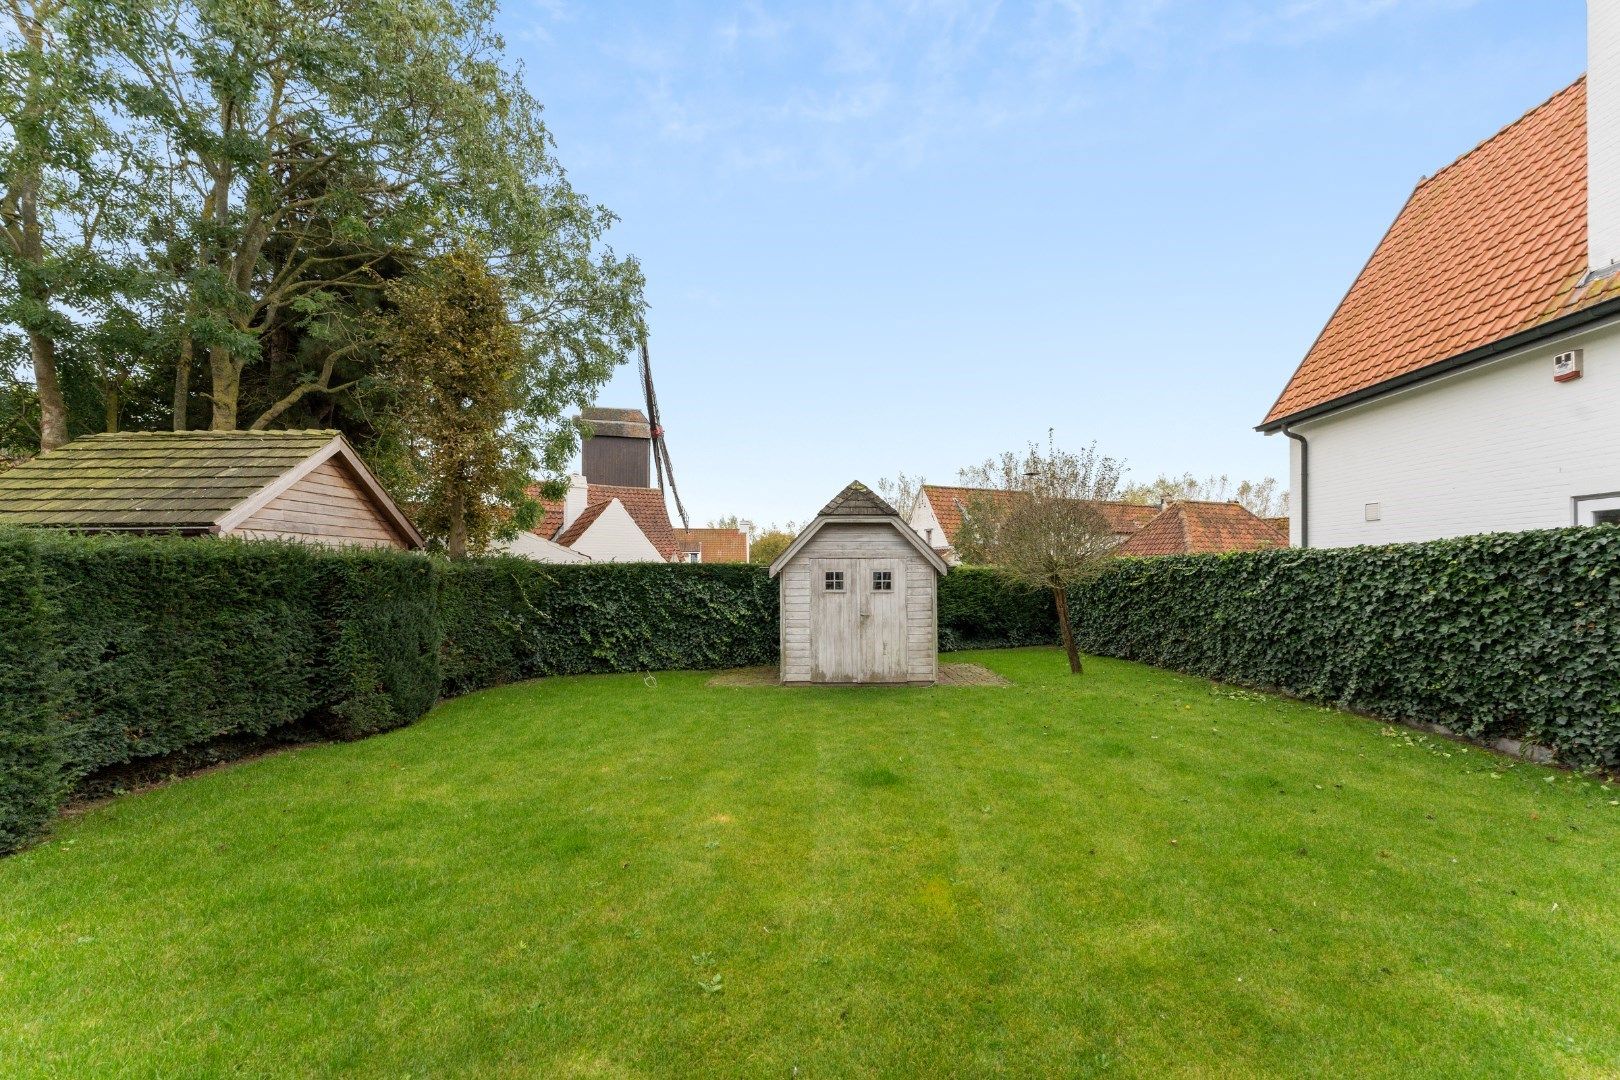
(1603, 132)
(615, 537)
(1499, 448)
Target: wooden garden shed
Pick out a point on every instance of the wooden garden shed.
(859, 597)
(276, 485)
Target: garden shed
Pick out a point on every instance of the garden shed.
(859, 597)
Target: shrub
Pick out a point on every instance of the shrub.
(1511, 634)
(509, 618)
(33, 755)
(978, 609)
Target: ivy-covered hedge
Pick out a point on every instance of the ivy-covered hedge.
(980, 610)
(509, 618)
(1511, 634)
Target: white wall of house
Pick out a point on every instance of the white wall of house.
(1497, 448)
(923, 520)
(615, 537)
(538, 548)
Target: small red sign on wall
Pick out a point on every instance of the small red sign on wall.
(1567, 366)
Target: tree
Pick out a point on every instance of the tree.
(1036, 522)
(71, 189)
(454, 360)
(771, 543)
(1261, 497)
(901, 491)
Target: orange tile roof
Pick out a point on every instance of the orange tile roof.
(1203, 528)
(577, 527)
(1491, 245)
(716, 545)
(646, 507)
(949, 502)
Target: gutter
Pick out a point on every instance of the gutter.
(1304, 509)
(1512, 343)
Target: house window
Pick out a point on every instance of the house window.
(882, 581)
(694, 556)
(833, 581)
(1373, 512)
(1601, 509)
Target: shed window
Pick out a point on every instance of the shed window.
(833, 581)
(882, 581)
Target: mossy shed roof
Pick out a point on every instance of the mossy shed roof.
(151, 479)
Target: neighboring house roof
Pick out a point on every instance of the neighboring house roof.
(715, 545)
(1278, 523)
(950, 503)
(1203, 528)
(586, 519)
(645, 506)
(538, 548)
(183, 481)
(1490, 247)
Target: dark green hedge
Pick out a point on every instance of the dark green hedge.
(33, 754)
(1512, 634)
(980, 610)
(509, 618)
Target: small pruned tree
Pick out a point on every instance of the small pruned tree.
(1037, 522)
(454, 360)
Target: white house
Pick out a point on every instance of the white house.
(1470, 380)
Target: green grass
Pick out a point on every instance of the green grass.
(1130, 873)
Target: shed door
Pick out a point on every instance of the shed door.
(835, 620)
(883, 620)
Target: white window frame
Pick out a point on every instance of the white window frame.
(1582, 507)
(832, 581)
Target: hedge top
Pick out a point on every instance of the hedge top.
(185, 481)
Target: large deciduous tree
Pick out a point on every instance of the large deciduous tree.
(454, 360)
(1036, 521)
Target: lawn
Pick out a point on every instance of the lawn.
(1129, 873)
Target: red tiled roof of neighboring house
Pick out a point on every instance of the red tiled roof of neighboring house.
(1278, 523)
(577, 527)
(646, 507)
(1203, 528)
(1491, 245)
(715, 545)
(949, 503)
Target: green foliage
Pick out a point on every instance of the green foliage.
(508, 618)
(769, 544)
(1510, 634)
(453, 360)
(981, 609)
(124, 649)
(32, 750)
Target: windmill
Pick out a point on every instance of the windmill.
(660, 449)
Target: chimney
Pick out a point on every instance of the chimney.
(574, 501)
(1602, 135)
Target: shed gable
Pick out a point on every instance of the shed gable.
(327, 505)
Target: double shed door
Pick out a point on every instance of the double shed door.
(858, 620)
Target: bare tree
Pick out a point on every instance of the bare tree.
(1260, 497)
(901, 491)
(1036, 522)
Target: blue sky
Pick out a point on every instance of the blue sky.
(907, 236)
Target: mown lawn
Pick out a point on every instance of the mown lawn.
(1130, 873)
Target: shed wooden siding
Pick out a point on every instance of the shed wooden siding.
(328, 506)
(860, 541)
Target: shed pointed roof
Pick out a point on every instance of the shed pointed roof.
(858, 500)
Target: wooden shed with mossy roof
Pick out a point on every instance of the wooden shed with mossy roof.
(264, 485)
(859, 597)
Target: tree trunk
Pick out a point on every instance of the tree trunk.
(53, 426)
(1061, 595)
(457, 541)
(226, 375)
(182, 384)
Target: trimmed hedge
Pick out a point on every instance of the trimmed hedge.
(33, 757)
(509, 618)
(980, 610)
(1510, 634)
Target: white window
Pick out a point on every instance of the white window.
(1373, 512)
(882, 581)
(1601, 509)
(694, 556)
(833, 581)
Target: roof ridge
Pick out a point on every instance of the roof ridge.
(1483, 143)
